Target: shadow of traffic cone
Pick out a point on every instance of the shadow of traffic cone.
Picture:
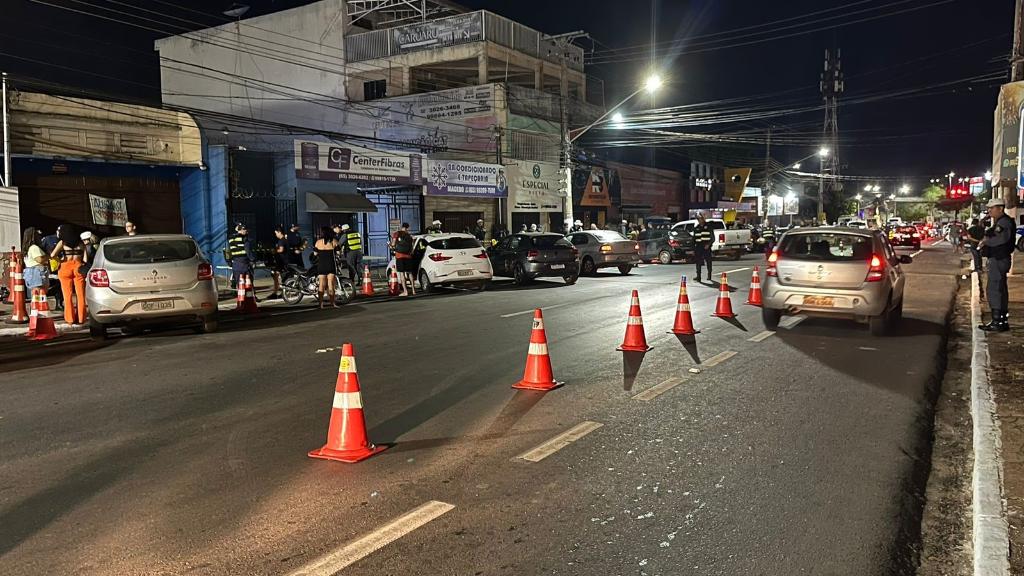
(723, 308)
(636, 339)
(346, 434)
(754, 296)
(367, 282)
(538, 375)
(684, 319)
(18, 314)
(246, 299)
(45, 329)
(393, 286)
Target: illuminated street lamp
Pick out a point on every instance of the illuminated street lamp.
(617, 119)
(904, 189)
(796, 166)
(988, 175)
(651, 85)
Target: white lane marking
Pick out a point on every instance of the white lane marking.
(868, 348)
(790, 321)
(914, 255)
(530, 311)
(558, 442)
(718, 359)
(737, 270)
(761, 336)
(386, 534)
(655, 391)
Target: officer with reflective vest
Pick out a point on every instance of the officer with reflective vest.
(353, 246)
(240, 254)
(768, 233)
(998, 245)
(702, 240)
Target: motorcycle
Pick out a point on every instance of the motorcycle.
(298, 283)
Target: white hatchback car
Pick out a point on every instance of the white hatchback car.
(449, 260)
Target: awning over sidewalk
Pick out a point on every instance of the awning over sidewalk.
(333, 197)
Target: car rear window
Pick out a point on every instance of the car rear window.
(827, 247)
(455, 243)
(550, 241)
(149, 251)
(608, 235)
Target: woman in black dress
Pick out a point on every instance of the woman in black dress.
(326, 271)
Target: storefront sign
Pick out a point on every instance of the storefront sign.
(775, 205)
(456, 178)
(328, 161)
(535, 186)
(457, 119)
(595, 192)
(437, 33)
(108, 211)
(738, 206)
(704, 183)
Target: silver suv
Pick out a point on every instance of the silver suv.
(835, 272)
(157, 278)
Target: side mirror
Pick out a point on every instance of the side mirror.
(906, 259)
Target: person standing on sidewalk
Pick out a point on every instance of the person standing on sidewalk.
(130, 229)
(997, 245)
(974, 235)
(402, 244)
(353, 249)
(71, 252)
(37, 263)
(240, 251)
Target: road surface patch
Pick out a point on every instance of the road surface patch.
(558, 442)
(761, 336)
(379, 538)
(531, 310)
(791, 321)
(655, 391)
(718, 358)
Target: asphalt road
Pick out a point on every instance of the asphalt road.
(172, 453)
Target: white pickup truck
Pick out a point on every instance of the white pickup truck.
(724, 240)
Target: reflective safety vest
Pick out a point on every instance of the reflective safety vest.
(354, 241)
(237, 247)
(768, 234)
(702, 234)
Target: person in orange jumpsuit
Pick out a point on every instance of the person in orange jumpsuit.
(70, 250)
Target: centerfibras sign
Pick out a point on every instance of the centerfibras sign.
(329, 161)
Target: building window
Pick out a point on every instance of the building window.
(375, 89)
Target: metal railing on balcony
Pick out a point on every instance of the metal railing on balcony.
(479, 26)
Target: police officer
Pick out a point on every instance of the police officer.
(240, 252)
(768, 233)
(353, 245)
(998, 246)
(702, 240)
(294, 240)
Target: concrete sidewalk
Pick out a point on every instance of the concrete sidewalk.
(1006, 351)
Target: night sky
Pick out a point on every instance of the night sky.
(907, 132)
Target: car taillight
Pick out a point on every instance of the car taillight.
(438, 257)
(606, 248)
(482, 255)
(205, 271)
(773, 258)
(98, 278)
(673, 243)
(721, 238)
(575, 252)
(532, 254)
(877, 269)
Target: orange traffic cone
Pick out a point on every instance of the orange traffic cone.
(684, 320)
(45, 329)
(18, 315)
(11, 265)
(754, 296)
(346, 433)
(245, 300)
(34, 314)
(367, 282)
(538, 375)
(393, 286)
(723, 308)
(636, 339)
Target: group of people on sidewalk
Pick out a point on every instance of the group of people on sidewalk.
(67, 254)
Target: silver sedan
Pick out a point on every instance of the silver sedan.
(835, 272)
(605, 249)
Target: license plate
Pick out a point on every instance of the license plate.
(158, 305)
(465, 272)
(823, 301)
(557, 266)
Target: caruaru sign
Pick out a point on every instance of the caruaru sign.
(328, 161)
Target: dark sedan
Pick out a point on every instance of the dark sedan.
(664, 245)
(526, 256)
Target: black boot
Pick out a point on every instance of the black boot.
(998, 323)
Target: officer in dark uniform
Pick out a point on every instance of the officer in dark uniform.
(294, 246)
(353, 243)
(768, 233)
(240, 251)
(998, 245)
(702, 240)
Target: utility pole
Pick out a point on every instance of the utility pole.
(831, 87)
(1017, 53)
(562, 42)
(767, 173)
(7, 137)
